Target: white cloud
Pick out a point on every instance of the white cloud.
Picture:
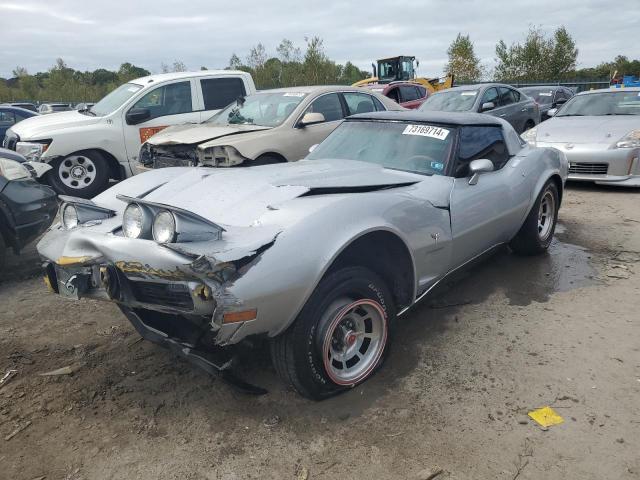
(207, 32)
(39, 9)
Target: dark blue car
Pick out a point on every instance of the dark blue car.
(27, 207)
(9, 116)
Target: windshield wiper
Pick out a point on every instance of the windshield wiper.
(87, 111)
(571, 115)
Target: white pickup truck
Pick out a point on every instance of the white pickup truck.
(88, 147)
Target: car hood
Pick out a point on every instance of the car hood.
(40, 126)
(200, 132)
(593, 129)
(241, 196)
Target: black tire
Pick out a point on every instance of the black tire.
(533, 239)
(297, 354)
(96, 167)
(529, 124)
(266, 159)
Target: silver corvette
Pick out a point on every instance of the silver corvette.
(599, 132)
(320, 255)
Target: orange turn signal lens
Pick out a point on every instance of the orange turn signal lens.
(242, 316)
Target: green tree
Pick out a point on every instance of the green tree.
(463, 62)
(538, 58)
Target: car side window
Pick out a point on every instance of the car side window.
(359, 103)
(394, 94)
(422, 91)
(491, 95)
(476, 142)
(7, 119)
(506, 96)
(408, 93)
(379, 106)
(220, 92)
(169, 99)
(328, 105)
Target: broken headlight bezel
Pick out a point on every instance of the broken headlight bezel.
(189, 227)
(220, 156)
(85, 212)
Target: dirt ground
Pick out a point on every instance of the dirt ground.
(508, 336)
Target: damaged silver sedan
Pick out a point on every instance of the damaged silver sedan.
(321, 256)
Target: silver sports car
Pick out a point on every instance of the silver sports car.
(599, 132)
(319, 255)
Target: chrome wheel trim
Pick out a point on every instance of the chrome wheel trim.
(77, 171)
(354, 341)
(546, 215)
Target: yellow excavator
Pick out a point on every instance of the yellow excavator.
(401, 69)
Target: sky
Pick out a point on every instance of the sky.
(89, 34)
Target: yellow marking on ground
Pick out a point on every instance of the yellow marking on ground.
(546, 417)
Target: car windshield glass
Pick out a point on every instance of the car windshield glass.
(418, 148)
(624, 102)
(451, 101)
(265, 109)
(113, 100)
(540, 95)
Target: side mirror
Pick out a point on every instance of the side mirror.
(311, 118)
(137, 115)
(313, 147)
(37, 169)
(476, 167)
(487, 106)
(551, 112)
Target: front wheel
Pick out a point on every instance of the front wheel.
(536, 233)
(340, 337)
(82, 174)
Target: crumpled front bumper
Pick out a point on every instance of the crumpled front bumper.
(141, 275)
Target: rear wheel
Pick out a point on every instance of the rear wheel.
(529, 125)
(82, 174)
(340, 337)
(536, 233)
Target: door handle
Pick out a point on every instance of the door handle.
(503, 115)
(524, 109)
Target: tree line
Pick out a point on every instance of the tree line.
(538, 57)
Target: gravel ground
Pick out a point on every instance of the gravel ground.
(508, 336)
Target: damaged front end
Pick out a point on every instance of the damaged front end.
(171, 292)
(180, 155)
(171, 155)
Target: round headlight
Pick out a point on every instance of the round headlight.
(133, 221)
(164, 227)
(69, 216)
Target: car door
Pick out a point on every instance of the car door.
(490, 95)
(218, 92)
(409, 96)
(331, 107)
(7, 120)
(509, 109)
(483, 215)
(168, 104)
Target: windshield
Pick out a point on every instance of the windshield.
(115, 99)
(623, 102)
(417, 148)
(451, 101)
(265, 109)
(540, 95)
